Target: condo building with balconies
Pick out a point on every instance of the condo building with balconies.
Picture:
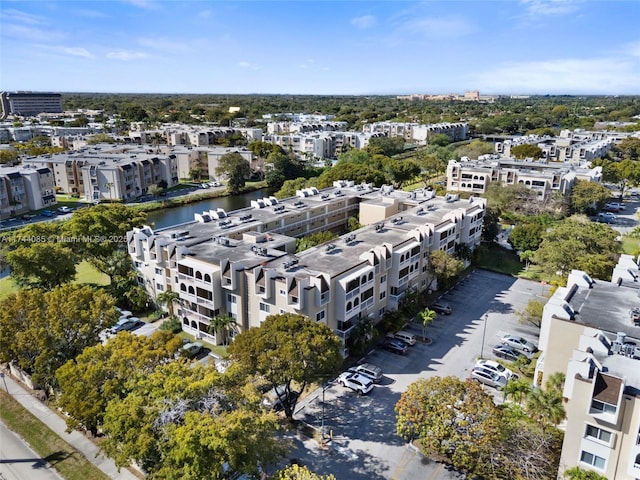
(244, 263)
(25, 188)
(544, 178)
(589, 334)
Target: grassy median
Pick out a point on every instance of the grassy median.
(69, 463)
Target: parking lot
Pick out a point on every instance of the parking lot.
(364, 443)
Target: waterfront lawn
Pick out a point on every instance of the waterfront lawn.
(86, 273)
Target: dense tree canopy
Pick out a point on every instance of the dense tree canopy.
(39, 256)
(41, 330)
(526, 150)
(587, 197)
(577, 243)
(288, 350)
(526, 236)
(102, 373)
(444, 267)
(454, 420)
(99, 232)
(189, 422)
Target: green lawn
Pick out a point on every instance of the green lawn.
(498, 259)
(85, 274)
(630, 245)
(70, 463)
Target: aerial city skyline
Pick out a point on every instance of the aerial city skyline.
(341, 48)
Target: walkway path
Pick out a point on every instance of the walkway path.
(76, 439)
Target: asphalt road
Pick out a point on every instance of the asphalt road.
(365, 445)
(19, 462)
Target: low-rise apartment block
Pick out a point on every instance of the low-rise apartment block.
(540, 176)
(417, 132)
(244, 263)
(589, 333)
(25, 188)
(97, 174)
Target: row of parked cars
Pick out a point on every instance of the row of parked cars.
(496, 375)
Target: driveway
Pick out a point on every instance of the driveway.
(364, 444)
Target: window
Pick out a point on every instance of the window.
(598, 434)
(382, 295)
(159, 287)
(283, 292)
(320, 315)
(264, 307)
(593, 460)
(602, 407)
(231, 298)
(383, 278)
(158, 271)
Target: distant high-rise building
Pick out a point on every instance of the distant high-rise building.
(28, 104)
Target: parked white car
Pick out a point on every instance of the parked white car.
(498, 368)
(355, 381)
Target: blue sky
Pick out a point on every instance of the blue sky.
(322, 47)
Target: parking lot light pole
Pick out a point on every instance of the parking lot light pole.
(325, 385)
(484, 332)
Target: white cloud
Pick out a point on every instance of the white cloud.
(126, 55)
(364, 22)
(143, 3)
(632, 49)
(546, 8)
(78, 52)
(437, 27)
(82, 12)
(205, 13)
(12, 15)
(163, 44)
(31, 34)
(250, 66)
(571, 76)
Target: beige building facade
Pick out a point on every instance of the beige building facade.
(244, 263)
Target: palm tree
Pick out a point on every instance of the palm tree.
(545, 406)
(517, 389)
(427, 317)
(109, 185)
(168, 298)
(224, 324)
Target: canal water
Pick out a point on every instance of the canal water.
(185, 213)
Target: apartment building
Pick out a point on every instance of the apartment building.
(244, 263)
(108, 172)
(278, 128)
(588, 333)
(30, 104)
(319, 145)
(25, 188)
(540, 176)
(572, 147)
(417, 132)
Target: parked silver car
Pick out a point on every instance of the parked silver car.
(487, 377)
(519, 343)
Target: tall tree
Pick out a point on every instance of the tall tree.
(188, 422)
(288, 350)
(455, 421)
(532, 313)
(102, 373)
(587, 196)
(444, 267)
(526, 236)
(41, 330)
(236, 169)
(223, 325)
(100, 231)
(577, 243)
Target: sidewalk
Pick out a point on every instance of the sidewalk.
(76, 439)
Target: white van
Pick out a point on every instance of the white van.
(406, 337)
